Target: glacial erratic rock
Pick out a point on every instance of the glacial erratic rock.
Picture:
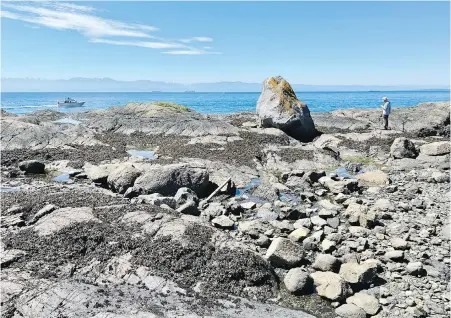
(275, 108)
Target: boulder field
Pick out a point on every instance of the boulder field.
(155, 210)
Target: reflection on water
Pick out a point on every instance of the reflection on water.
(62, 178)
(254, 182)
(67, 121)
(150, 154)
(9, 189)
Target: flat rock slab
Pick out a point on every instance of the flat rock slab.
(62, 218)
(156, 118)
(9, 256)
(373, 178)
(436, 148)
(17, 134)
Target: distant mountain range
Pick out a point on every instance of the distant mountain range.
(80, 84)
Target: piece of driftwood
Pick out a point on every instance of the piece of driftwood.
(217, 190)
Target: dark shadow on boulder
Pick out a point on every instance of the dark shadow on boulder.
(297, 130)
(378, 281)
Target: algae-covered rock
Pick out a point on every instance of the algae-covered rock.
(279, 107)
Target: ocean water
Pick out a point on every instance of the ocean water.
(215, 103)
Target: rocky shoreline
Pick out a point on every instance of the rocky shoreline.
(105, 213)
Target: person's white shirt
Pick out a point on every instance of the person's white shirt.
(386, 108)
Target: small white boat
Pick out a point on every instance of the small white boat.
(70, 102)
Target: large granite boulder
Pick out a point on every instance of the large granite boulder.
(276, 108)
(166, 180)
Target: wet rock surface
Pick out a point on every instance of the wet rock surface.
(341, 226)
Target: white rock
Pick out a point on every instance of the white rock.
(316, 220)
(436, 148)
(330, 285)
(354, 273)
(299, 234)
(367, 302)
(350, 311)
(399, 244)
(296, 280)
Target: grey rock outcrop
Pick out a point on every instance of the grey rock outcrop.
(156, 118)
(30, 133)
(424, 119)
(63, 218)
(275, 108)
(166, 180)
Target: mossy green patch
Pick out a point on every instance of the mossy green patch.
(53, 173)
(366, 161)
(286, 94)
(173, 106)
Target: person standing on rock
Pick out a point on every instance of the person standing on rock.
(386, 109)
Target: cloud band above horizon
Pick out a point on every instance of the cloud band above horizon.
(80, 18)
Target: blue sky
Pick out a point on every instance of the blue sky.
(320, 43)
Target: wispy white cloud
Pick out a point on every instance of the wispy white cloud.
(70, 6)
(56, 17)
(146, 44)
(197, 39)
(190, 52)
(85, 20)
